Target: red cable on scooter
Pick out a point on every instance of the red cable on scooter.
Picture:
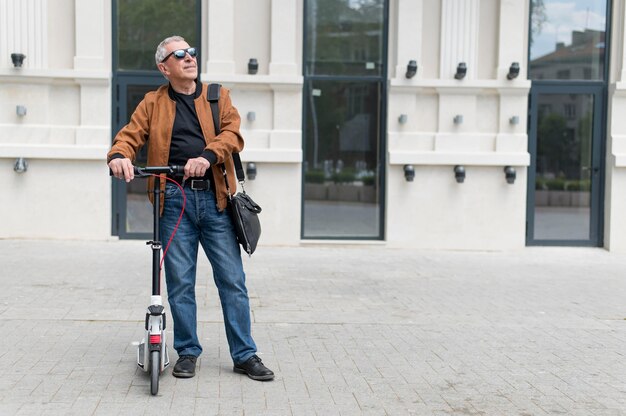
(180, 217)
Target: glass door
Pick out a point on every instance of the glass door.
(138, 27)
(568, 67)
(132, 209)
(344, 104)
(564, 180)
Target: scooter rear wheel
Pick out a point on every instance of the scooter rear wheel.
(155, 369)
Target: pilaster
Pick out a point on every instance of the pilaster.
(409, 35)
(283, 38)
(221, 37)
(23, 29)
(459, 36)
(90, 31)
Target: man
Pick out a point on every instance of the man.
(176, 123)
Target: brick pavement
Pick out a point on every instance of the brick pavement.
(361, 330)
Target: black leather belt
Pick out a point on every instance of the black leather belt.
(194, 184)
(199, 184)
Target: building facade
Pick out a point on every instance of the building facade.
(443, 124)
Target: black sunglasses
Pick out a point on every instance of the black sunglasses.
(180, 53)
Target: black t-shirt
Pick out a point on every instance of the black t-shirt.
(187, 139)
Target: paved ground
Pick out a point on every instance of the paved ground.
(348, 330)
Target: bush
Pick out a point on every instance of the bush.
(582, 185)
(540, 184)
(344, 177)
(557, 184)
(560, 184)
(369, 179)
(314, 176)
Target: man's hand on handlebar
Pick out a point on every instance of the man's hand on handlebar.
(122, 169)
(196, 167)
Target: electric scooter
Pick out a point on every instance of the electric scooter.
(152, 355)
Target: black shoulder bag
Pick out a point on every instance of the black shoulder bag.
(243, 209)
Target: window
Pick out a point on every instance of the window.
(568, 34)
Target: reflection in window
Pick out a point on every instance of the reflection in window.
(563, 74)
(563, 175)
(142, 24)
(570, 111)
(567, 39)
(344, 37)
(341, 161)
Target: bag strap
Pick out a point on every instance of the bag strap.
(213, 97)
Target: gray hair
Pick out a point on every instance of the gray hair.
(160, 50)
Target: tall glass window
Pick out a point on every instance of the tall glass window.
(141, 24)
(567, 39)
(344, 37)
(344, 90)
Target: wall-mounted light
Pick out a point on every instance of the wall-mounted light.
(21, 165)
(253, 66)
(461, 71)
(458, 119)
(251, 170)
(403, 118)
(510, 174)
(513, 71)
(459, 173)
(251, 116)
(514, 120)
(411, 69)
(17, 59)
(20, 110)
(409, 173)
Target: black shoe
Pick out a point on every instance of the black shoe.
(185, 367)
(255, 369)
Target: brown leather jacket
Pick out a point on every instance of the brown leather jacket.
(153, 120)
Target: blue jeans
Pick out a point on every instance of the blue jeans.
(203, 223)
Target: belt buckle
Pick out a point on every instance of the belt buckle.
(198, 185)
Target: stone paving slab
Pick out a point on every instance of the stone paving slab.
(360, 330)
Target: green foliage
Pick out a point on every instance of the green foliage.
(562, 184)
(314, 176)
(582, 185)
(557, 184)
(345, 176)
(369, 180)
(344, 36)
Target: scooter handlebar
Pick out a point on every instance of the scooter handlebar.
(142, 171)
(172, 170)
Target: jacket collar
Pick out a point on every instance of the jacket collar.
(170, 90)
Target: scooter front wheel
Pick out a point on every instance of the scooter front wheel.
(155, 369)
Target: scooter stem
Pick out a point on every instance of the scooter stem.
(156, 240)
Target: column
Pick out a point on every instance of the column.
(221, 40)
(23, 29)
(283, 38)
(90, 40)
(459, 36)
(513, 31)
(409, 35)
